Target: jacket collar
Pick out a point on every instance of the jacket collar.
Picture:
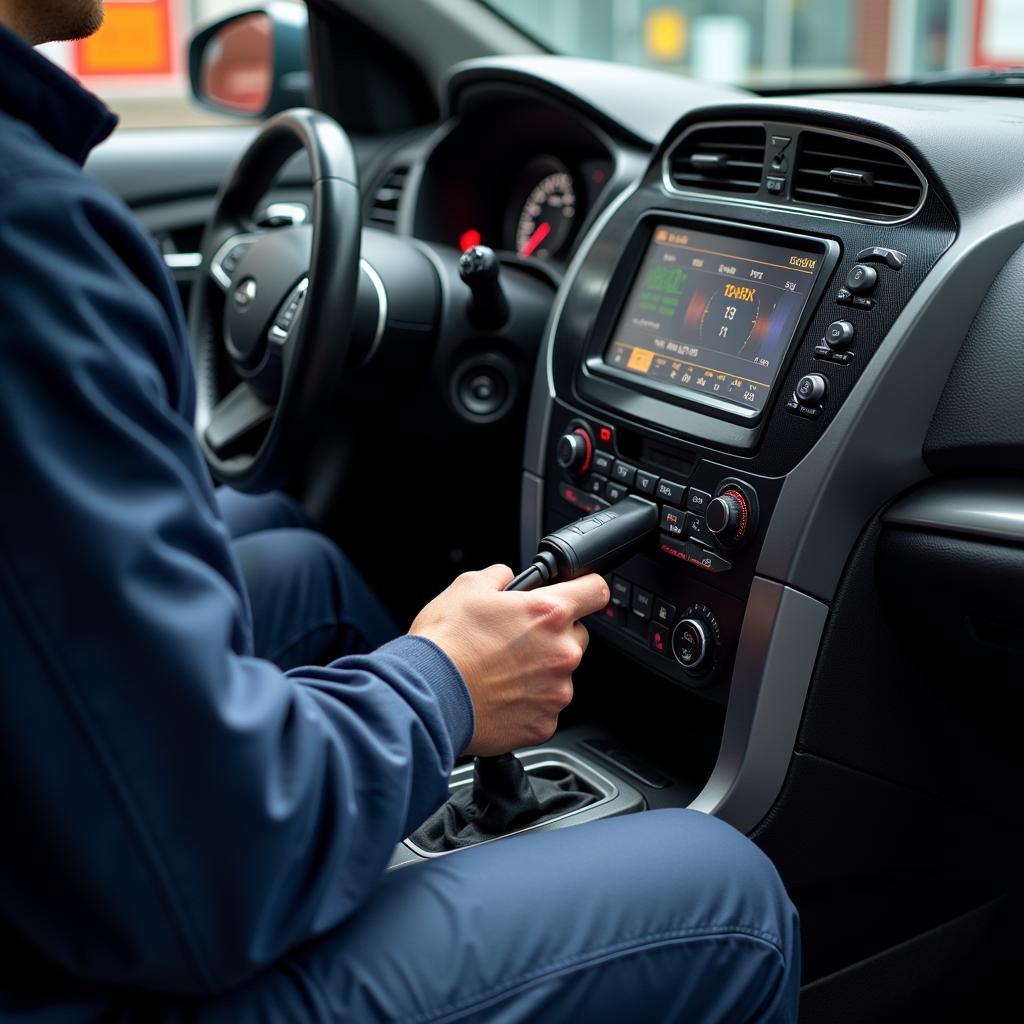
(34, 90)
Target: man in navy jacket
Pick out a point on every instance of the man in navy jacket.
(189, 831)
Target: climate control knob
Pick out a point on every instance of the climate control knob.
(693, 644)
(732, 514)
(575, 451)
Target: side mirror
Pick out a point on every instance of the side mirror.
(254, 63)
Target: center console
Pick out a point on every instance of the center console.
(702, 344)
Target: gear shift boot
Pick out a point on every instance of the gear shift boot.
(503, 798)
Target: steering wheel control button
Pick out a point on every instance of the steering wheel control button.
(673, 521)
(621, 592)
(839, 334)
(624, 473)
(658, 640)
(892, 258)
(643, 601)
(670, 493)
(645, 482)
(574, 451)
(603, 463)
(691, 644)
(245, 294)
(861, 278)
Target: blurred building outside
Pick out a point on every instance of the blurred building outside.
(136, 62)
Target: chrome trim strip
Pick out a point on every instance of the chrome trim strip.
(991, 508)
(275, 334)
(775, 657)
(542, 393)
(382, 306)
(216, 270)
(183, 260)
(822, 213)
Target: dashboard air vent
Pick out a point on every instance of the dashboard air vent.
(384, 208)
(725, 158)
(855, 176)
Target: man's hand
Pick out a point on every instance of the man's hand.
(517, 651)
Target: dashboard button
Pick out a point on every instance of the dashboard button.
(573, 451)
(697, 528)
(579, 498)
(603, 463)
(624, 473)
(839, 334)
(658, 639)
(664, 612)
(697, 501)
(621, 592)
(614, 491)
(642, 602)
(811, 390)
(612, 614)
(645, 482)
(691, 643)
(710, 561)
(861, 278)
(673, 521)
(892, 258)
(670, 493)
(595, 484)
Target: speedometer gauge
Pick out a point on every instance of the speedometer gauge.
(546, 220)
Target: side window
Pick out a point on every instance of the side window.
(137, 62)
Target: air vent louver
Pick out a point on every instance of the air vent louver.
(726, 158)
(384, 209)
(854, 176)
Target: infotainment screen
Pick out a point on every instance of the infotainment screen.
(713, 316)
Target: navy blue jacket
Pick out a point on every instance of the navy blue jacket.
(175, 812)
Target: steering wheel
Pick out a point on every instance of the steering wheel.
(272, 308)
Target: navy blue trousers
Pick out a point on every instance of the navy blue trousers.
(663, 916)
(309, 604)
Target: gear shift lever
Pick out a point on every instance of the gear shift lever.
(503, 798)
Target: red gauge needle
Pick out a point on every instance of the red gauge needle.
(542, 232)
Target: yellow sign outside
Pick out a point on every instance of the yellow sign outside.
(134, 40)
(665, 34)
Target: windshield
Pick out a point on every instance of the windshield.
(780, 43)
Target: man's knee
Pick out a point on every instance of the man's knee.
(728, 875)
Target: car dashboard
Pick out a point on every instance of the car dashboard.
(770, 321)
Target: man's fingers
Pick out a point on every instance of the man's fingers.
(499, 575)
(580, 634)
(587, 595)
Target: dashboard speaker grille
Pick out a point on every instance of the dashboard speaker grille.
(727, 158)
(854, 176)
(386, 199)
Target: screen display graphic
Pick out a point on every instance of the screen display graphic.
(713, 316)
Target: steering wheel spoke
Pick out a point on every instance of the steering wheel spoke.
(235, 418)
(227, 257)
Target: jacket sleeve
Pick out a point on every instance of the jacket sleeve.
(183, 813)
